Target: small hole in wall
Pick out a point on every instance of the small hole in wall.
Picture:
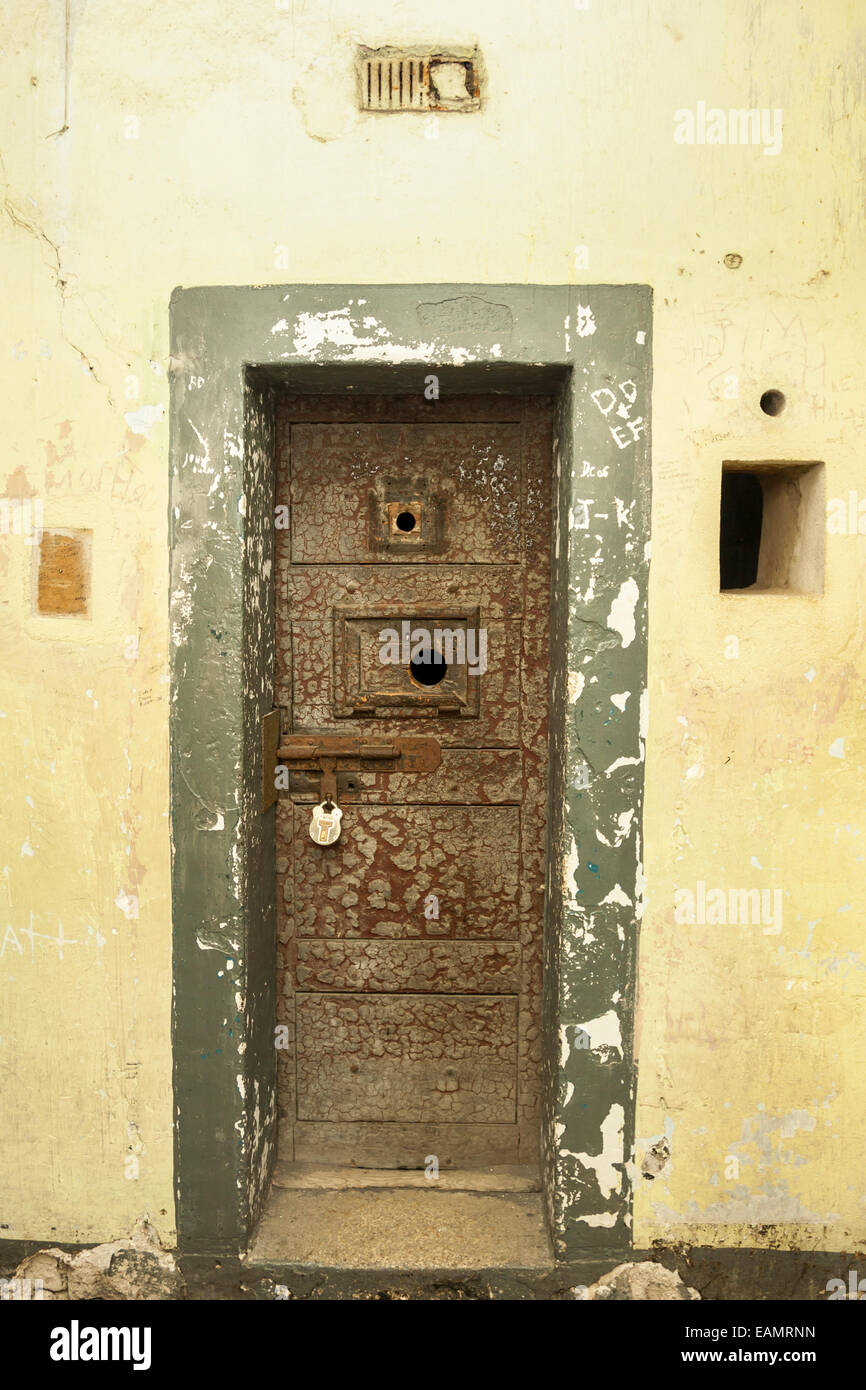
(772, 528)
(430, 671)
(773, 402)
(406, 521)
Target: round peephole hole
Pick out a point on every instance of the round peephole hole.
(773, 402)
(406, 521)
(430, 671)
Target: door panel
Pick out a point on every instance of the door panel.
(415, 1058)
(309, 593)
(378, 881)
(410, 950)
(448, 967)
(465, 477)
(386, 1145)
(328, 685)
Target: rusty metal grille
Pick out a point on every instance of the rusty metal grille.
(391, 81)
(402, 85)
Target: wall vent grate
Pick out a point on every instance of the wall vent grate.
(400, 80)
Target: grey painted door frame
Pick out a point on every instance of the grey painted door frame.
(591, 345)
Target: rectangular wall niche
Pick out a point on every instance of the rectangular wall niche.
(771, 535)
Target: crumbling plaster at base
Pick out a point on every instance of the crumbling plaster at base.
(134, 1269)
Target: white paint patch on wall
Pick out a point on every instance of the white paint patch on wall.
(617, 895)
(574, 685)
(607, 1165)
(142, 421)
(622, 762)
(569, 869)
(603, 1218)
(335, 328)
(621, 616)
(624, 823)
(313, 332)
(604, 1031)
(128, 904)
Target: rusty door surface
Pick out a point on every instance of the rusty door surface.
(410, 950)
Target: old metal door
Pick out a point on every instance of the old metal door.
(410, 950)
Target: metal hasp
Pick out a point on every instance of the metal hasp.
(320, 753)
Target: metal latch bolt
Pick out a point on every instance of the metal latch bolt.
(323, 753)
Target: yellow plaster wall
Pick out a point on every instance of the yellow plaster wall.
(219, 144)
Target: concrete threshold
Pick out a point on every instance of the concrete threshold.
(504, 1178)
(378, 1219)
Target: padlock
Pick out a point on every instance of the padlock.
(325, 823)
